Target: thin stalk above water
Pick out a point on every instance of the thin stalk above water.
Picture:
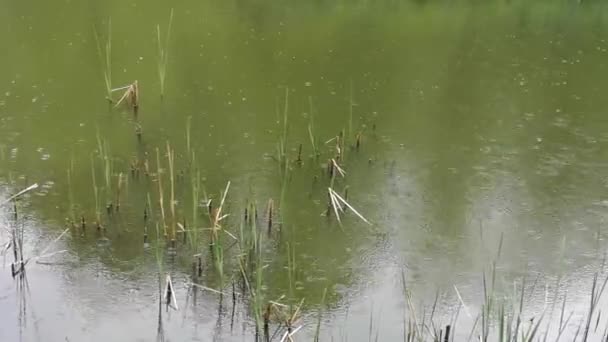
(105, 57)
(163, 54)
(160, 192)
(171, 160)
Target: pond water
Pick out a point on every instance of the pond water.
(473, 138)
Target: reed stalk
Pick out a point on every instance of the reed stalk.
(351, 105)
(171, 161)
(71, 196)
(163, 54)
(313, 140)
(105, 57)
(160, 193)
(319, 317)
(195, 180)
(95, 193)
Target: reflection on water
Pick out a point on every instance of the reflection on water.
(482, 138)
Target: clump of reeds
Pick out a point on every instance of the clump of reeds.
(163, 54)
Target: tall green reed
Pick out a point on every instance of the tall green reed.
(163, 54)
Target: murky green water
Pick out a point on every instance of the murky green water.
(476, 122)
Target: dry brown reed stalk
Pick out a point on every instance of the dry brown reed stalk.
(131, 95)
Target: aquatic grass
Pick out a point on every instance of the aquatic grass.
(105, 57)
(215, 235)
(163, 54)
(597, 289)
(254, 288)
(251, 266)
